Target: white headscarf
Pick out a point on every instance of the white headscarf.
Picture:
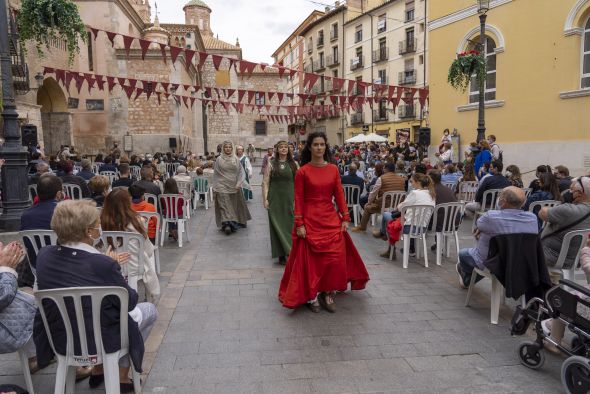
(228, 174)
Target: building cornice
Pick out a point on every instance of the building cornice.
(368, 12)
(462, 14)
(324, 18)
(297, 32)
(475, 106)
(127, 9)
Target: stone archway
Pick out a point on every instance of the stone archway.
(55, 118)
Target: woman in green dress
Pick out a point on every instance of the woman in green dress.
(278, 188)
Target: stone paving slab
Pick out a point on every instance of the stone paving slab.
(221, 328)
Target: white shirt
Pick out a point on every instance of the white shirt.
(416, 197)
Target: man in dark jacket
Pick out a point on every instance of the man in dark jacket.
(69, 177)
(443, 195)
(147, 176)
(495, 181)
(352, 178)
(125, 179)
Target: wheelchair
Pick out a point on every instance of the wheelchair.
(572, 308)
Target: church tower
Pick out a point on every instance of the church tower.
(143, 9)
(196, 12)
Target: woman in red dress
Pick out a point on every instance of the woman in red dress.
(323, 258)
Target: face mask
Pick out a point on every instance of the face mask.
(96, 241)
(508, 174)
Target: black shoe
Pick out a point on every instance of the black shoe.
(95, 380)
(126, 387)
(228, 230)
(433, 248)
(282, 260)
(412, 252)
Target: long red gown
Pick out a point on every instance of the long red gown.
(326, 260)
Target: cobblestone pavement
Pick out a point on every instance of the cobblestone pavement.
(221, 328)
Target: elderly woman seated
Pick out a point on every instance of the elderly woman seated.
(76, 263)
(99, 186)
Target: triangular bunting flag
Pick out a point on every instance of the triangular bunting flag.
(192, 99)
(163, 51)
(174, 52)
(240, 95)
(280, 96)
(127, 41)
(189, 55)
(111, 83)
(132, 82)
(111, 37)
(100, 82)
(216, 61)
(351, 87)
(138, 93)
(202, 59)
(250, 96)
(422, 96)
(165, 85)
(94, 32)
(230, 92)
(128, 91)
(144, 44)
(121, 81)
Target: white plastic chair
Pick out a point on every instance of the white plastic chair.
(65, 378)
(152, 199)
(489, 202)
(566, 267)
(96, 168)
(419, 217)
(451, 220)
(123, 241)
(37, 239)
(496, 296)
(202, 189)
(169, 205)
(543, 204)
(171, 168)
(154, 216)
(352, 195)
(467, 191)
(389, 202)
(112, 175)
(73, 191)
(135, 172)
(527, 192)
(186, 189)
(77, 169)
(450, 185)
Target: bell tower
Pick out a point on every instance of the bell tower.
(196, 12)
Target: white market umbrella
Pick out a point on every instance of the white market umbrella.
(374, 138)
(356, 138)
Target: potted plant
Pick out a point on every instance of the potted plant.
(45, 20)
(466, 65)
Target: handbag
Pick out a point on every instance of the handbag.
(394, 230)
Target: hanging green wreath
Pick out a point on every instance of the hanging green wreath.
(466, 65)
(45, 20)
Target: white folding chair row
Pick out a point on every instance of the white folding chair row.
(73, 191)
(171, 168)
(169, 206)
(133, 243)
(452, 214)
(352, 195)
(96, 167)
(419, 218)
(450, 185)
(202, 188)
(149, 216)
(65, 378)
(135, 171)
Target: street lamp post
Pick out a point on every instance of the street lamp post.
(482, 8)
(15, 193)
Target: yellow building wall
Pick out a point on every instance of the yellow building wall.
(537, 64)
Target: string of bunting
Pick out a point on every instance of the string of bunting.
(149, 87)
(245, 67)
(132, 90)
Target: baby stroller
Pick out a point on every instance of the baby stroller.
(573, 310)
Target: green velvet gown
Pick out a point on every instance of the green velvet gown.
(280, 210)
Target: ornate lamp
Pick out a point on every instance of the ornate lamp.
(483, 6)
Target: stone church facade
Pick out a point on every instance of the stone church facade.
(93, 120)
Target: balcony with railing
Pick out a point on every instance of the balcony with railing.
(356, 63)
(408, 46)
(381, 26)
(320, 42)
(407, 77)
(356, 118)
(380, 55)
(319, 65)
(20, 70)
(333, 35)
(332, 61)
(407, 111)
(380, 115)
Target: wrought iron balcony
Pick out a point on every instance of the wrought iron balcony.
(408, 46)
(380, 55)
(20, 70)
(380, 115)
(332, 61)
(407, 111)
(356, 63)
(407, 77)
(356, 118)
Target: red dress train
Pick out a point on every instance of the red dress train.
(326, 259)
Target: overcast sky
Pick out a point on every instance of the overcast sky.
(261, 25)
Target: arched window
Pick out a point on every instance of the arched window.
(490, 84)
(586, 56)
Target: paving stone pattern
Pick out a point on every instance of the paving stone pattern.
(221, 328)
